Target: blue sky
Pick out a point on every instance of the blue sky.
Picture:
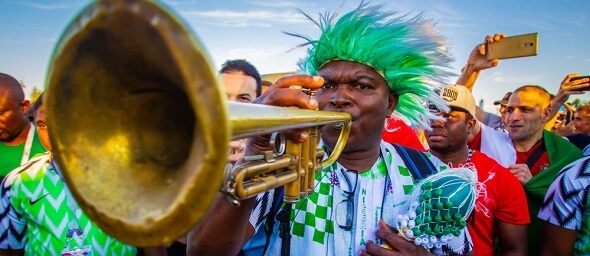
(252, 29)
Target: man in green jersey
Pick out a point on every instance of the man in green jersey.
(18, 141)
(42, 217)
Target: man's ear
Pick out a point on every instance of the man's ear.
(546, 115)
(471, 124)
(24, 106)
(392, 100)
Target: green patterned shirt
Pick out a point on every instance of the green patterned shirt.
(39, 216)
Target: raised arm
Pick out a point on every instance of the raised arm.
(477, 62)
(566, 89)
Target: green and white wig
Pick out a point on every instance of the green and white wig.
(406, 51)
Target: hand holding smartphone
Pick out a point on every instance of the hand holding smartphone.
(513, 47)
(583, 89)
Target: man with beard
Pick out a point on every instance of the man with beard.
(500, 211)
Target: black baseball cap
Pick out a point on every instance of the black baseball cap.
(504, 100)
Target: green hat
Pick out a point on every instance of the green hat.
(406, 51)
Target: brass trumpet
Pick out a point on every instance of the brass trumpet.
(140, 126)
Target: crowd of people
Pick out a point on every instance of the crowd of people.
(390, 73)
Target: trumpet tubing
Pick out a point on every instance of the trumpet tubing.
(140, 126)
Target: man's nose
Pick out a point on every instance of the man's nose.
(513, 116)
(436, 123)
(341, 97)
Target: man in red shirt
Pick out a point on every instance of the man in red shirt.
(501, 210)
(533, 154)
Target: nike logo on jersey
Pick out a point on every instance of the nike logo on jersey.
(32, 202)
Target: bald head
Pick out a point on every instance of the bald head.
(11, 87)
(13, 111)
(542, 97)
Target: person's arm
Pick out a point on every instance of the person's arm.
(480, 114)
(557, 241)
(566, 89)
(225, 228)
(477, 62)
(513, 238)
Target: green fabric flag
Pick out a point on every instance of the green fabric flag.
(561, 153)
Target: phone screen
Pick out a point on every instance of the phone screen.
(569, 116)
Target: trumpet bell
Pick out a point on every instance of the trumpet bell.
(137, 120)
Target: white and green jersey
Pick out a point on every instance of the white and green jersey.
(41, 217)
(379, 193)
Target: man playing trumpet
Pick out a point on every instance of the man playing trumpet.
(369, 64)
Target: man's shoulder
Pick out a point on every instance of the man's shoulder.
(553, 136)
(492, 133)
(560, 146)
(578, 170)
(486, 164)
(481, 158)
(31, 170)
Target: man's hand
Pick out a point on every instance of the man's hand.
(568, 88)
(398, 244)
(478, 61)
(283, 93)
(565, 130)
(522, 172)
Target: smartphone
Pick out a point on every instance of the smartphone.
(513, 47)
(569, 116)
(587, 88)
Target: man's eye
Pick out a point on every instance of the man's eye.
(363, 86)
(328, 86)
(244, 99)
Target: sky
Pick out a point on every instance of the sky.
(253, 30)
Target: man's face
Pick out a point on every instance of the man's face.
(13, 118)
(582, 122)
(239, 87)
(450, 135)
(41, 126)
(360, 91)
(526, 117)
